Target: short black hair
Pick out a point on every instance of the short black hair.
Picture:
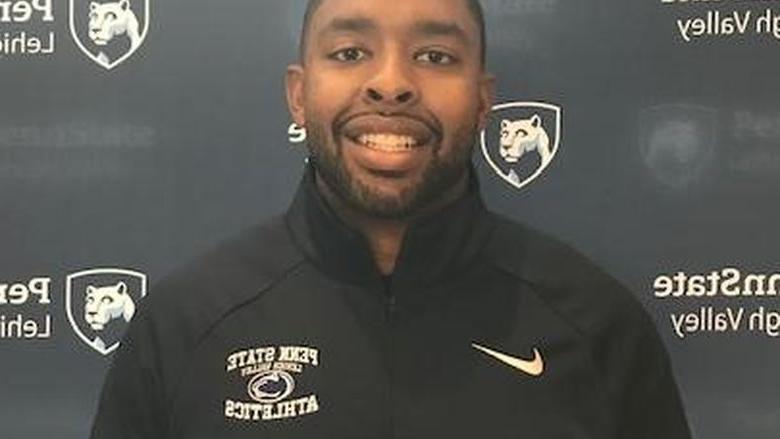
(475, 7)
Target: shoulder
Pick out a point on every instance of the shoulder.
(618, 332)
(567, 281)
(182, 308)
(235, 270)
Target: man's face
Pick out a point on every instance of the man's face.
(392, 94)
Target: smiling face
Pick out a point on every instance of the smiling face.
(392, 94)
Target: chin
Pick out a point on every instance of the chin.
(381, 201)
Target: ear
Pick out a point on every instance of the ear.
(536, 121)
(124, 4)
(90, 289)
(504, 124)
(93, 6)
(294, 83)
(128, 310)
(121, 288)
(487, 86)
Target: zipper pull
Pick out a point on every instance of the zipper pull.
(390, 297)
(391, 305)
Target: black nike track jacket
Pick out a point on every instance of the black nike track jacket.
(485, 329)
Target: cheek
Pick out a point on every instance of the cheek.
(460, 126)
(328, 93)
(455, 102)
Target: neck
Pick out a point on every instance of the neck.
(385, 236)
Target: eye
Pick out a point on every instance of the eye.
(107, 300)
(435, 57)
(348, 55)
(111, 16)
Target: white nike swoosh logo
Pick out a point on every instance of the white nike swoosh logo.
(533, 367)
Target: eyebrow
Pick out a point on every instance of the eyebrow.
(354, 24)
(426, 28)
(436, 28)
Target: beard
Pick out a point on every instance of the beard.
(441, 174)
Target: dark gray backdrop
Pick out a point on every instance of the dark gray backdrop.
(669, 161)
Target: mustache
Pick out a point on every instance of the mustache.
(430, 121)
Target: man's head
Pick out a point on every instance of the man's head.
(392, 94)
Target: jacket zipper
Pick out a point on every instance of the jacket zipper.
(390, 307)
(391, 315)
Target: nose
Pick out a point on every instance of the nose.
(391, 86)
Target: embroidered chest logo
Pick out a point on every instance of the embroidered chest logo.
(270, 373)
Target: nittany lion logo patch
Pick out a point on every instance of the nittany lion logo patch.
(101, 302)
(109, 32)
(267, 378)
(521, 140)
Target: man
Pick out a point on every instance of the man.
(387, 302)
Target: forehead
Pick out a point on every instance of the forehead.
(399, 15)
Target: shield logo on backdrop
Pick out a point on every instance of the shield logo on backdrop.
(678, 143)
(521, 140)
(109, 32)
(101, 302)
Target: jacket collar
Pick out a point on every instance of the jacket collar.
(435, 248)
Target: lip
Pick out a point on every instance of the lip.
(368, 125)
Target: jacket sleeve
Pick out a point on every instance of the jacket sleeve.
(131, 402)
(646, 396)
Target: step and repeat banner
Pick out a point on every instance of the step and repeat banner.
(135, 134)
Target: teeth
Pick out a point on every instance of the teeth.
(387, 142)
